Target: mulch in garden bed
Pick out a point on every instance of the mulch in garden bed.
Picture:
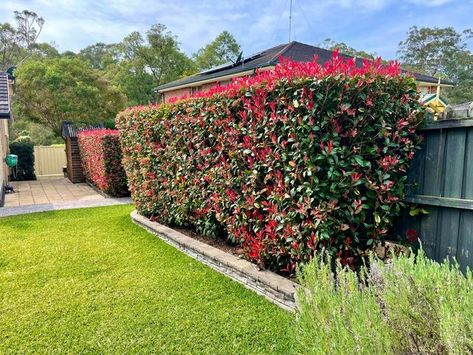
(225, 246)
(215, 242)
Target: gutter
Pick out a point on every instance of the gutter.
(428, 83)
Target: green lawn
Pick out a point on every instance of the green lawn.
(90, 281)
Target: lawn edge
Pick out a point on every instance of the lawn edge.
(277, 289)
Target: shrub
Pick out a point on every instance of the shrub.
(24, 171)
(101, 160)
(410, 306)
(284, 162)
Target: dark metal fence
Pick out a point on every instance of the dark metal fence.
(441, 181)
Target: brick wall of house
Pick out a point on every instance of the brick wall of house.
(175, 94)
(187, 91)
(424, 89)
(3, 153)
(4, 143)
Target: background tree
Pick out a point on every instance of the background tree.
(224, 48)
(441, 52)
(18, 42)
(49, 91)
(133, 80)
(140, 63)
(38, 133)
(45, 50)
(346, 49)
(100, 55)
(158, 54)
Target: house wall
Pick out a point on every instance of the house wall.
(4, 149)
(424, 88)
(223, 80)
(188, 91)
(428, 89)
(3, 153)
(174, 94)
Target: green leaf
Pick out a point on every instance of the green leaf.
(359, 160)
(377, 218)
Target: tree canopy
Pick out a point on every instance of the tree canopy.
(18, 41)
(93, 84)
(140, 63)
(344, 48)
(224, 48)
(49, 91)
(100, 55)
(441, 52)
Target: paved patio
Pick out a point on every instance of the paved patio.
(47, 194)
(49, 190)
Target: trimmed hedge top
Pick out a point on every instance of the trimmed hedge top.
(284, 163)
(101, 160)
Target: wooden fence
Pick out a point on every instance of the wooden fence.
(49, 160)
(441, 181)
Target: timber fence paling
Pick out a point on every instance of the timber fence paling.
(441, 181)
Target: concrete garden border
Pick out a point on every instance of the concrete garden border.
(277, 289)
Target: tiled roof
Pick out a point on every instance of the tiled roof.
(294, 50)
(4, 97)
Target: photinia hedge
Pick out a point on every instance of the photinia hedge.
(285, 162)
(101, 159)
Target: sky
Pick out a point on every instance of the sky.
(370, 25)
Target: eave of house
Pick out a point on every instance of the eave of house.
(426, 83)
(214, 80)
(5, 108)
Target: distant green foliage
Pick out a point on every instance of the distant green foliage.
(38, 133)
(224, 48)
(100, 55)
(18, 41)
(140, 62)
(344, 48)
(52, 90)
(25, 169)
(441, 52)
(410, 306)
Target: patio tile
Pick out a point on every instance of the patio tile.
(50, 190)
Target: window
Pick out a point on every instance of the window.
(225, 82)
(196, 89)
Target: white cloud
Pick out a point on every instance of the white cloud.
(430, 3)
(366, 24)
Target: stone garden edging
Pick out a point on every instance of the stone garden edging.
(277, 289)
